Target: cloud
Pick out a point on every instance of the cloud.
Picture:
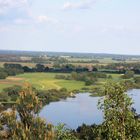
(8, 5)
(36, 20)
(87, 4)
(19, 12)
(43, 18)
(12, 3)
(14, 13)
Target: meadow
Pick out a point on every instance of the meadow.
(46, 81)
(42, 81)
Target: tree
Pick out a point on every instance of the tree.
(12, 66)
(119, 120)
(3, 75)
(27, 69)
(62, 133)
(13, 69)
(109, 77)
(137, 79)
(40, 68)
(46, 69)
(88, 82)
(128, 74)
(29, 126)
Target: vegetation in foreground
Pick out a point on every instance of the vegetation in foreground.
(120, 121)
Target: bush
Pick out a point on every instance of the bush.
(4, 97)
(88, 83)
(13, 92)
(3, 75)
(137, 80)
(128, 75)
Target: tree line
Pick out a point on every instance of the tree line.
(14, 69)
(121, 68)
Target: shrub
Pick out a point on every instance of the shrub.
(3, 75)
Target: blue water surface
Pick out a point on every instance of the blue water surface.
(82, 109)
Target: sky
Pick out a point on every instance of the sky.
(93, 26)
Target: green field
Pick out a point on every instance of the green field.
(46, 81)
(42, 81)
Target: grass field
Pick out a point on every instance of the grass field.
(46, 81)
(43, 81)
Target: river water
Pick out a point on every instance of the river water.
(83, 109)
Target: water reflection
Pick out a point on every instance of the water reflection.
(73, 111)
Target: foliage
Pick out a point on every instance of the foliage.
(13, 92)
(137, 79)
(4, 97)
(28, 126)
(52, 95)
(86, 132)
(88, 82)
(13, 69)
(88, 78)
(109, 77)
(119, 120)
(129, 84)
(10, 70)
(3, 75)
(63, 133)
(40, 68)
(128, 74)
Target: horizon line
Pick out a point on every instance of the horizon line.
(39, 51)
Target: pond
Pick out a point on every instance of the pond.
(82, 109)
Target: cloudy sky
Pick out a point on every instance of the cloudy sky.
(98, 26)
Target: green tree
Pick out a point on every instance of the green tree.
(3, 75)
(119, 120)
(13, 69)
(28, 126)
(40, 67)
(128, 74)
(62, 133)
(137, 79)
